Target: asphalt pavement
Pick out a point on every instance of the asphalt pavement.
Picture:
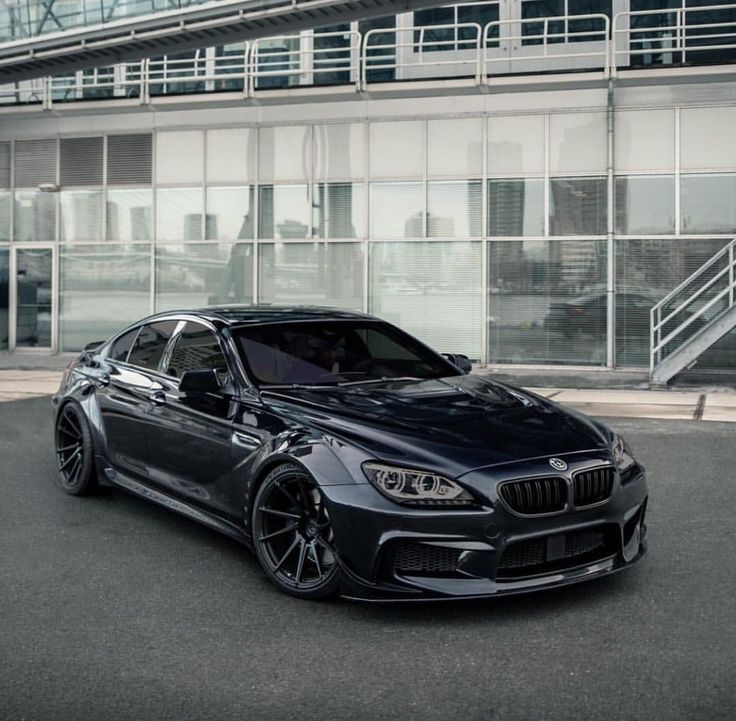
(112, 608)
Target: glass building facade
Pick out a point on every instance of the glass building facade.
(487, 235)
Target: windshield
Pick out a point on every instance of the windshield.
(335, 352)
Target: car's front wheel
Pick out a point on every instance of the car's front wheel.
(74, 453)
(293, 535)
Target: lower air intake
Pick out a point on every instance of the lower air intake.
(417, 559)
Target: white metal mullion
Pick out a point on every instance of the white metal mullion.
(256, 215)
(678, 222)
(484, 310)
(153, 244)
(547, 180)
(367, 225)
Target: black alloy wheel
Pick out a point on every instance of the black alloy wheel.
(74, 457)
(293, 535)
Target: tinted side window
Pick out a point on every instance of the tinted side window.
(150, 343)
(120, 348)
(196, 348)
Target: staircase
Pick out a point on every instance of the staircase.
(692, 317)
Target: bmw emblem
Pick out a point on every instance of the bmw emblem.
(558, 464)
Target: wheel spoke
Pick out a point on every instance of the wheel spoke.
(281, 514)
(72, 421)
(291, 497)
(72, 475)
(300, 563)
(293, 545)
(285, 529)
(71, 457)
(64, 449)
(315, 558)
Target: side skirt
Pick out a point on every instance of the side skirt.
(174, 504)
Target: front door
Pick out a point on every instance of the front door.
(190, 436)
(33, 292)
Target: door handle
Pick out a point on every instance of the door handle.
(157, 398)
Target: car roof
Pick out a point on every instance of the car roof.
(236, 314)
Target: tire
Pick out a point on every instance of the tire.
(293, 536)
(75, 464)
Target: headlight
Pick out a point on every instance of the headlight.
(416, 488)
(622, 455)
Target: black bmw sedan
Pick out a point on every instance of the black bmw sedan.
(349, 456)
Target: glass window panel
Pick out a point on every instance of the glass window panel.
(129, 214)
(35, 216)
(284, 153)
(33, 297)
(699, 129)
(396, 210)
(338, 210)
(200, 274)
(516, 145)
(179, 213)
(150, 344)
(312, 273)
(102, 288)
(4, 297)
(5, 201)
(339, 151)
(121, 347)
(547, 301)
(455, 147)
(230, 213)
(284, 211)
(516, 207)
(430, 289)
(81, 215)
(645, 204)
(196, 348)
(231, 155)
(397, 149)
(646, 271)
(578, 206)
(455, 209)
(645, 140)
(180, 157)
(577, 142)
(708, 203)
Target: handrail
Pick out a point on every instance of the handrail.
(657, 343)
(526, 39)
(392, 61)
(682, 40)
(541, 44)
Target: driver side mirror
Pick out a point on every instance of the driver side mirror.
(460, 361)
(205, 380)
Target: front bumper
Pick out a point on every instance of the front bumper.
(370, 528)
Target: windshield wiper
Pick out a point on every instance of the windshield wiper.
(383, 379)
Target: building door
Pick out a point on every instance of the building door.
(4, 298)
(32, 298)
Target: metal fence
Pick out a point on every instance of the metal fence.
(594, 43)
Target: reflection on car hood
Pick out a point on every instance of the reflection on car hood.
(455, 424)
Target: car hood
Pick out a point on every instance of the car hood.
(454, 424)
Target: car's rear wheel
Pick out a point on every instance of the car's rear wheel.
(293, 535)
(74, 454)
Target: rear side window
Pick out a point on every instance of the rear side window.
(196, 348)
(150, 344)
(121, 347)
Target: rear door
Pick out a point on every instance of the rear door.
(190, 436)
(123, 390)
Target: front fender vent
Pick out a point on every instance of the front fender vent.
(535, 496)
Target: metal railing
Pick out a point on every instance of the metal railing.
(698, 300)
(465, 49)
(555, 42)
(671, 36)
(312, 63)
